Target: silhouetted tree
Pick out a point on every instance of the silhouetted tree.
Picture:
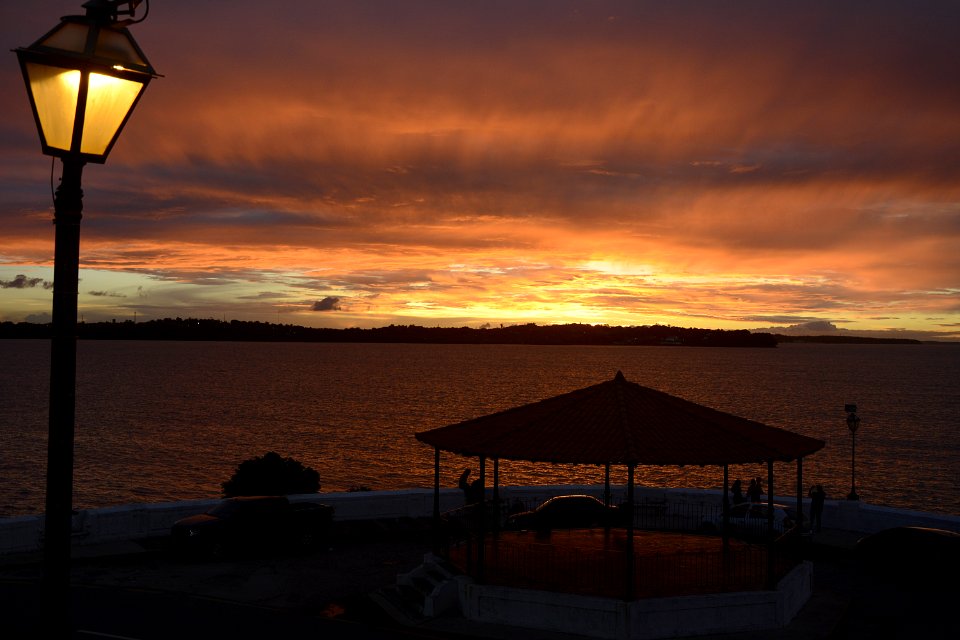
(271, 475)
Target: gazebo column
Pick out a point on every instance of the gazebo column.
(496, 495)
(726, 507)
(800, 493)
(606, 485)
(631, 586)
(770, 532)
(436, 500)
(482, 520)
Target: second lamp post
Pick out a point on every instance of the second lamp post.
(853, 423)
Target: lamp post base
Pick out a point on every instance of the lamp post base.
(853, 495)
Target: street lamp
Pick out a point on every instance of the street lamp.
(853, 423)
(83, 78)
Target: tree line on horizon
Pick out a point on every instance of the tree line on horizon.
(561, 334)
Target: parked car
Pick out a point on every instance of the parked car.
(749, 520)
(253, 524)
(915, 557)
(567, 512)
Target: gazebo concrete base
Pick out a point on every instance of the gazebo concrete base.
(645, 619)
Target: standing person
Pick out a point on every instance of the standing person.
(737, 491)
(817, 498)
(472, 491)
(464, 485)
(754, 491)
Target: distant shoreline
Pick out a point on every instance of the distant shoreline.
(851, 340)
(526, 334)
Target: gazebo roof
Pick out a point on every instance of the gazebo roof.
(620, 422)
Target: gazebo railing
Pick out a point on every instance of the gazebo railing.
(652, 515)
(648, 515)
(603, 571)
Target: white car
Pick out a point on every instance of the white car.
(749, 519)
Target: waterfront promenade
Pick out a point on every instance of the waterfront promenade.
(135, 588)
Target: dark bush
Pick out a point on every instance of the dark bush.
(271, 475)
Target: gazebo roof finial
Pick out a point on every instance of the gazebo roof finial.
(619, 377)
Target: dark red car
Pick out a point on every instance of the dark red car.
(252, 524)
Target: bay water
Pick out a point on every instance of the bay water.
(164, 421)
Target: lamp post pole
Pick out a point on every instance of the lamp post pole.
(68, 208)
(853, 423)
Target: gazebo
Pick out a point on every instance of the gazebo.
(618, 422)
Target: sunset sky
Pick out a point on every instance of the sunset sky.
(753, 165)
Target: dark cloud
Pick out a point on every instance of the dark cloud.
(212, 277)
(399, 279)
(814, 328)
(329, 303)
(266, 295)
(830, 328)
(818, 327)
(106, 294)
(778, 319)
(23, 282)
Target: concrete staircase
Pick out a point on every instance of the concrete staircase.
(428, 591)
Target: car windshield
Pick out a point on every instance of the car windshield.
(559, 503)
(569, 503)
(225, 508)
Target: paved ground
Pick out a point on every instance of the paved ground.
(326, 592)
(322, 584)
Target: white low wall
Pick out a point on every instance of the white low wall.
(130, 522)
(110, 524)
(545, 610)
(645, 619)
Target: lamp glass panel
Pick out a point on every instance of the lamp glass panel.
(116, 45)
(55, 92)
(69, 36)
(109, 100)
